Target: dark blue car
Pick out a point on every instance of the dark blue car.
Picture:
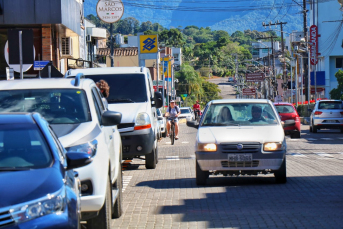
(38, 187)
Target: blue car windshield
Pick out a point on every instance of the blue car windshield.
(57, 106)
(22, 146)
(242, 114)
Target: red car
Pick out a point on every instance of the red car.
(287, 111)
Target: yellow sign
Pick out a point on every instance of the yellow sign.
(166, 66)
(148, 44)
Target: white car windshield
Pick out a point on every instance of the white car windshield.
(239, 114)
(57, 106)
(185, 111)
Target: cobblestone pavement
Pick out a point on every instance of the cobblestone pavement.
(168, 197)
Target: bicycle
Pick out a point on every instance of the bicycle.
(172, 131)
(197, 115)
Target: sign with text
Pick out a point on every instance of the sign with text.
(148, 43)
(254, 77)
(249, 91)
(314, 44)
(39, 65)
(110, 11)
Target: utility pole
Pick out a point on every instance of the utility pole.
(273, 73)
(306, 68)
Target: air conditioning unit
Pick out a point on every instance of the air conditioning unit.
(88, 38)
(67, 46)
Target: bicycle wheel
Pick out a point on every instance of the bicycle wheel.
(172, 134)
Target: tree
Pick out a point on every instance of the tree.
(146, 26)
(336, 93)
(172, 37)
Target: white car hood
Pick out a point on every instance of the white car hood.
(129, 111)
(235, 134)
(70, 135)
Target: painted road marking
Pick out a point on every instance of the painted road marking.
(324, 155)
(172, 158)
(311, 139)
(326, 138)
(184, 142)
(297, 155)
(126, 181)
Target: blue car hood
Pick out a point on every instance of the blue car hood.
(21, 186)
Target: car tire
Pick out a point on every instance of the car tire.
(311, 129)
(201, 176)
(103, 220)
(164, 134)
(156, 154)
(280, 175)
(341, 130)
(150, 160)
(314, 129)
(296, 135)
(117, 209)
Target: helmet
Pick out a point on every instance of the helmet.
(197, 101)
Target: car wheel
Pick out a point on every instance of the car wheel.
(280, 175)
(314, 129)
(150, 160)
(341, 130)
(103, 220)
(117, 210)
(311, 129)
(201, 176)
(296, 135)
(164, 134)
(156, 154)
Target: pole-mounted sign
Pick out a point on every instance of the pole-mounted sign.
(314, 44)
(254, 77)
(110, 11)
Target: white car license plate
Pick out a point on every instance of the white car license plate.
(240, 157)
(331, 121)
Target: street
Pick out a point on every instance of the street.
(168, 197)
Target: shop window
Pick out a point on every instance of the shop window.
(339, 62)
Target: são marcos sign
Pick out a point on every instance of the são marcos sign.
(110, 11)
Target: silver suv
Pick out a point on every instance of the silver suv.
(327, 114)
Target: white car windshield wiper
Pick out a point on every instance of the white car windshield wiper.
(120, 100)
(4, 169)
(220, 124)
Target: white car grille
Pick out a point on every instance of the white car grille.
(246, 148)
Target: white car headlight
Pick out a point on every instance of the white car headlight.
(142, 121)
(50, 204)
(273, 146)
(207, 147)
(89, 148)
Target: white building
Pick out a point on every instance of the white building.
(328, 16)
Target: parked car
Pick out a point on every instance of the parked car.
(76, 113)
(163, 123)
(230, 79)
(132, 94)
(39, 188)
(228, 146)
(187, 113)
(288, 112)
(327, 114)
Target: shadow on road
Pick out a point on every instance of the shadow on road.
(258, 202)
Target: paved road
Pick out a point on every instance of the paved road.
(227, 89)
(168, 197)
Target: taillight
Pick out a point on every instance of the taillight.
(318, 113)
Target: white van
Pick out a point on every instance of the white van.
(132, 94)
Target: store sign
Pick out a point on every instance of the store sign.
(110, 11)
(254, 77)
(314, 44)
(166, 65)
(148, 43)
(249, 91)
(319, 89)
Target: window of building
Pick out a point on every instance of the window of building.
(255, 52)
(176, 57)
(339, 62)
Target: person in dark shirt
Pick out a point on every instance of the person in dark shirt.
(256, 112)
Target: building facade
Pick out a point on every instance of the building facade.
(328, 16)
(56, 26)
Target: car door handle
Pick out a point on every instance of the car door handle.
(114, 130)
(111, 137)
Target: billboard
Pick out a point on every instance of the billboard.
(254, 77)
(166, 63)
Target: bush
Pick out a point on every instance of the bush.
(302, 110)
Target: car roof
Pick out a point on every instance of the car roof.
(108, 70)
(282, 103)
(240, 101)
(43, 83)
(16, 118)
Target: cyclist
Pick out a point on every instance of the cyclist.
(173, 112)
(196, 109)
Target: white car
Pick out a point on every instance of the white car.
(240, 137)
(163, 123)
(75, 111)
(187, 113)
